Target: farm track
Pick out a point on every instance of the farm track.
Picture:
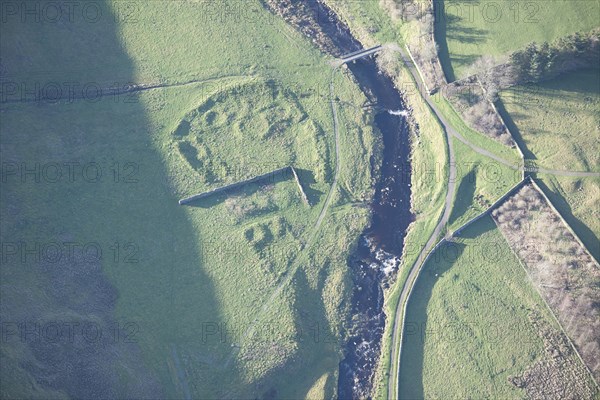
(398, 328)
(486, 153)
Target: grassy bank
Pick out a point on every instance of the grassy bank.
(476, 138)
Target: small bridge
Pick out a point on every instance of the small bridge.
(359, 54)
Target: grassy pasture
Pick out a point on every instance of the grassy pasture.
(203, 289)
(240, 128)
(467, 29)
(467, 321)
(481, 181)
(557, 125)
(557, 121)
(369, 22)
(578, 200)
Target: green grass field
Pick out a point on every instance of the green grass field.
(481, 181)
(467, 29)
(578, 200)
(229, 296)
(556, 123)
(368, 21)
(468, 328)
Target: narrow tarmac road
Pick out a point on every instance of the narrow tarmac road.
(398, 328)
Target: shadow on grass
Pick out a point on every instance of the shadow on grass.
(463, 59)
(140, 310)
(577, 83)
(307, 178)
(440, 32)
(464, 196)
(587, 236)
(479, 227)
(411, 385)
(312, 332)
(514, 130)
(447, 27)
(246, 189)
(464, 35)
(417, 325)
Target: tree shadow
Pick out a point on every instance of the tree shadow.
(440, 34)
(590, 85)
(447, 27)
(463, 59)
(411, 385)
(464, 34)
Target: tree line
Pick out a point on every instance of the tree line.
(539, 62)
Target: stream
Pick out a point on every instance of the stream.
(373, 266)
(377, 258)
